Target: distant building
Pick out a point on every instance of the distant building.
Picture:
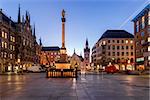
(49, 55)
(77, 60)
(142, 38)
(114, 47)
(87, 55)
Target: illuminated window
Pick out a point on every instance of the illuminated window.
(13, 48)
(13, 39)
(3, 44)
(148, 39)
(6, 35)
(11, 56)
(104, 42)
(24, 42)
(143, 22)
(131, 41)
(5, 54)
(149, 58)
(148, 48)
(3, 34)
(2, 54)
(127, 41)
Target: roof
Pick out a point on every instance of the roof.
(116, 34)
(7, 19)
(80, 57)
(52, 48)
(146, 9)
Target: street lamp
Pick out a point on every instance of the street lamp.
(76, 72)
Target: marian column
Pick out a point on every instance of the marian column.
(62, 62)
(63, 48)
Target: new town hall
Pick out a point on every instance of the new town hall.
(18, 42)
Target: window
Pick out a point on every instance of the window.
(104, 42)
(137, 26)
(118, 53)
(2, 54)
(142, 34)
(132, 60)
(5, 45)
(149, 58)
(118, 48)
(148, 39)
(13, 48)
(131, 47)
(127, 41)
(24, 42)
(131, 53)
(3, 34)
(108, 47)
(117, 41)
(6, 35)
(113, 53)
(113, 41)
(5, 54)
(131, 41)
(13, 39)
(108, 41)
(127, 47)
(122, 47)
(122, 41)
(127, 53)
(109, 54)
(143, 22)
(142, 41)
(11, 56)
(148, 48)
(113, 47)
(122, 53)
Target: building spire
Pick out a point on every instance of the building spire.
(19, 16)
(40, 41)
(23, 18)
(34, 31)
(86, 44)
(74, 51)
(26, 15)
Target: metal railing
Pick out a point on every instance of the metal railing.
(61, 73)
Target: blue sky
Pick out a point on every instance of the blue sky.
(84, 18)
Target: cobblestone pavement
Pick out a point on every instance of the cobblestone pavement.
(34, 86)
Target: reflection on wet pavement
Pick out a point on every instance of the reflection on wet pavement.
(34, 86)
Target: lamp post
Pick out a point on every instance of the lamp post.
(76, 72)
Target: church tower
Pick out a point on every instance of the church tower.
(87, 55)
